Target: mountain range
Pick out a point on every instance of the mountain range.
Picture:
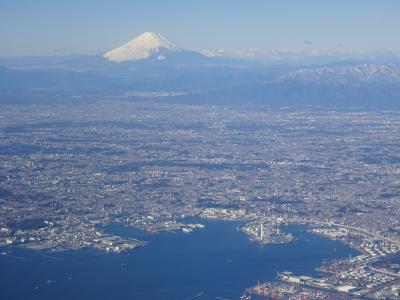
(152, 65)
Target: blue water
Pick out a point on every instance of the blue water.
(217, 260)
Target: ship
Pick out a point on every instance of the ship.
(198, 295)
(152, 231)
(245, 296)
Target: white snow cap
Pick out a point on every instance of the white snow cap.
(141, 47)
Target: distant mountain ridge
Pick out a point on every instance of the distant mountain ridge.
(152, 65)
(346, 75)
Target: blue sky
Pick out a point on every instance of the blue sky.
(42, 27)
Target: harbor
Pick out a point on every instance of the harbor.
(217, 260)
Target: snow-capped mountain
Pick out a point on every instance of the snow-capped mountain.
(346, 75)
(308, 56)
(147, 45)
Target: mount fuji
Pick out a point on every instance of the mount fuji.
(148, 46)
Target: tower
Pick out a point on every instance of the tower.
(262, 232)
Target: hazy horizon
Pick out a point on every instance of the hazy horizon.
(43, 28)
